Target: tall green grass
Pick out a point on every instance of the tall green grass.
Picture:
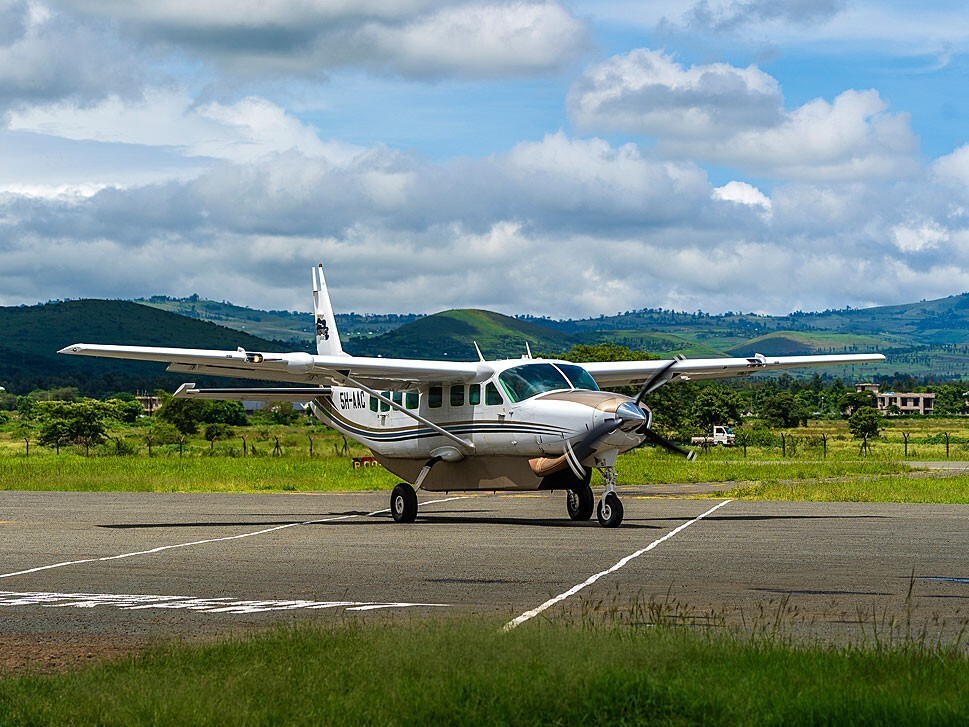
(953, 490)
(189, 474)
(463, 672)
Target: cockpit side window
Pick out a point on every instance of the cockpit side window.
(580, 378)
(523, 382)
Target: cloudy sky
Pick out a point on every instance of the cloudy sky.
(553, 157)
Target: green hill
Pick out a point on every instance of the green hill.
(32, 335)
(291, 327)
(451, 335)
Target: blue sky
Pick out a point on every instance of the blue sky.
(526, 156)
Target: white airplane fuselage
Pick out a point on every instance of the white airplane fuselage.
(505, 439)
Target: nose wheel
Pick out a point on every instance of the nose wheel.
(609, 509)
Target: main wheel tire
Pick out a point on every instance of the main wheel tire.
(403, 503)
(609, 511)
(580, 502)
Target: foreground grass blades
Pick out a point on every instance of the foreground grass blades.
(469, 673)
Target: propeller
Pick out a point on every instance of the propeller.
(652, 383)
(649, 385)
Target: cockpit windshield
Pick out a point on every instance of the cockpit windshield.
(579, 377)
(525, 381)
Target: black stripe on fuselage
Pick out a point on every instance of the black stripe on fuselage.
(460, 428)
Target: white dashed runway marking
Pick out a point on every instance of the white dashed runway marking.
(163, 548)
(205, 605)
(592, 579)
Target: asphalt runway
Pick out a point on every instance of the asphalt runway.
(144, 567)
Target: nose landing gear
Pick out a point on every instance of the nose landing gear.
(609, 509)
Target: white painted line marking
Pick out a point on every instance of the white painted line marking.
(209, 540)
(592, 579)
(129, 602)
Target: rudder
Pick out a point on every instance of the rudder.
(327, 335)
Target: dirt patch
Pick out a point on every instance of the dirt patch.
(53, 652)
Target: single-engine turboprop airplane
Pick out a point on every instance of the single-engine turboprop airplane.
(524, 424)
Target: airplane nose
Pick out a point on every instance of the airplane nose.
(630, 416)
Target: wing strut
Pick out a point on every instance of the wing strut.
(440, 430)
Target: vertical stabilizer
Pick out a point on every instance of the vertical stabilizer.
(327, 336)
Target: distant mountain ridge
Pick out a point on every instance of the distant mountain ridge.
(30, 337)
(929, 338)
(276, 325)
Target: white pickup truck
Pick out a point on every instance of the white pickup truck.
(722, 436)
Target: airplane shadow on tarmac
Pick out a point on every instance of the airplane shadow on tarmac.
(358, 519)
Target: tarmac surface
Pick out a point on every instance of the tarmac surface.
(122, 570)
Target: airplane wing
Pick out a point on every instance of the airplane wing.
(621, 373)
(298, 367)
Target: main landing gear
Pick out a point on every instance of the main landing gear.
(403, 500)
(580, 502)
(403, 503)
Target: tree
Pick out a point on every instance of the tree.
(950, 399)
(865, 422)
(715, 404)
(783, 409)
(127, 411)
(588, 353)
(80, 422)
(184, 414)
(854, 400)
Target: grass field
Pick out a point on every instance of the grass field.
(448, 672)
(822, 462)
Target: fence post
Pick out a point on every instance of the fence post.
(824, 445)
(310, 437)
(905, 438)
(245, 447)
(181, 444)
(783, 445)
(946, 445)
(27, 441)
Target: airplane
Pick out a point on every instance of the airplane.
(505, 425)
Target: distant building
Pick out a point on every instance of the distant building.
(149, 403)
(907, 403)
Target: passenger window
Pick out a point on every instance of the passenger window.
(411, 400)
(435, 397)
(398, 397)
(492, 397)
(474, 394)
(457, 396)
(384, 406)
(373, 402)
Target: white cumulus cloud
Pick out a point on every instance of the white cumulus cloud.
(735, 116)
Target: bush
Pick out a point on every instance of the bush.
(163, 433)
(217, 431)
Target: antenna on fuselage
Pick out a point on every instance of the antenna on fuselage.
(480, 355)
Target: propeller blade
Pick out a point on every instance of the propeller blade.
(667, 444)
(648, 386)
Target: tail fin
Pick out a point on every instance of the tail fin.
(327, 336)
